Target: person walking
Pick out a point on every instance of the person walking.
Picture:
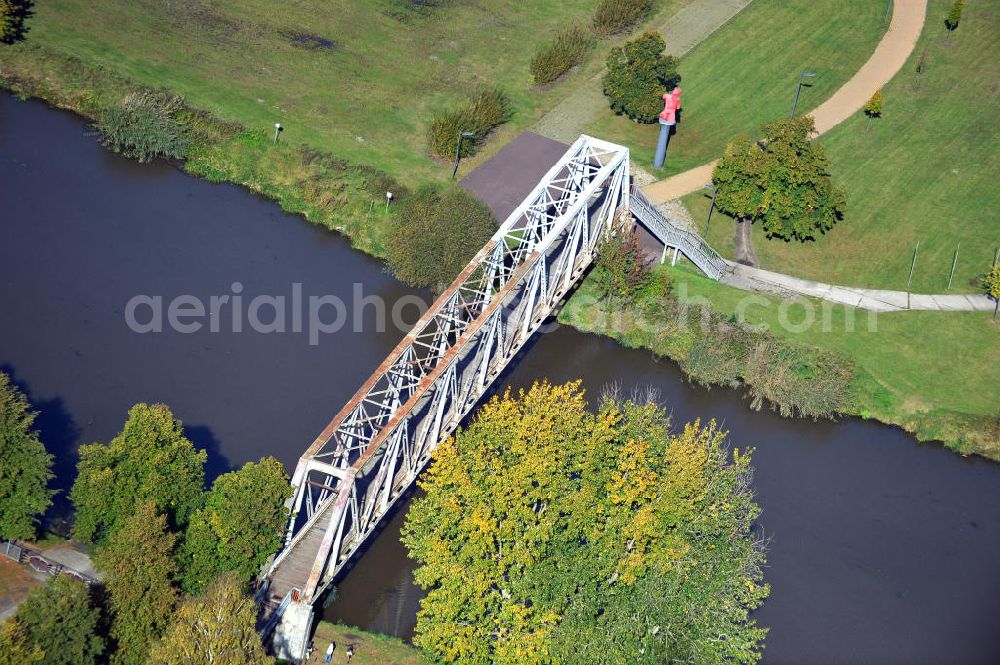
(350, 652)
(329, 652)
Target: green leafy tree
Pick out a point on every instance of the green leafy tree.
(435, 233)
(15, 648)
(783, 183)
(549, 533)
(239, 526)
(991, 284)
(12, 16)
(25, 467)
(217, 628)
(621, 270)
(63, 621)
(637, 76)
(139, 570)
(873, 108)
(150, 460)
(954, 15)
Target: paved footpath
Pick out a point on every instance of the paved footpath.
(682, 32)
(889, 57)
(785, 286)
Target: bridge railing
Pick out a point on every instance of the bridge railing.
(692, 245)
(371, 452)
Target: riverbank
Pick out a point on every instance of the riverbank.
(326, 190)
(369, 648)
(899, 366)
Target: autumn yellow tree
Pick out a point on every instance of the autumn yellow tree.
(553, 534)
(217, 628)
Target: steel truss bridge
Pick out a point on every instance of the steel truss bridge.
(373, 450)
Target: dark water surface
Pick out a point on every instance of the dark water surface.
(882, 550)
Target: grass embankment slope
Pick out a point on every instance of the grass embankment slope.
(932, 373)
(359, 80)
(745, 74)
(369, 648)
(926, 171)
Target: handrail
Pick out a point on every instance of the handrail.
(275, 617)
(692, 245)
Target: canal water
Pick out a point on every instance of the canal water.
(882, 550)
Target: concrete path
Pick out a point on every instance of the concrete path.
(786, 286)
(889, 57)
(682, 32)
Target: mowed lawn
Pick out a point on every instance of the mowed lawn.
(745, 74)
(928, 171)
(911, 364)
(358, 78)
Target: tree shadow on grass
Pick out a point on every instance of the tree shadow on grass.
(13, 26)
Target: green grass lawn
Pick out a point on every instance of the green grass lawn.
(369, 648)
(360, 80)
(927, 171)
(934, 373)
(746, 73)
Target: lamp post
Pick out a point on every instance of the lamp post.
(458, 151)
(715, 193)
(277, 130)
(798, 89)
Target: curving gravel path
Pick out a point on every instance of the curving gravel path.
(888, 58)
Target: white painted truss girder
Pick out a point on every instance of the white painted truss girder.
(372, 451)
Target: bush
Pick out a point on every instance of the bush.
(556, 57)
(614, 16)
(638, 75)
(435, 235)
(12, 15)
(485, 110)
(145, 125)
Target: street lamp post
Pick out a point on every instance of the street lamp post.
(798, 89)
(711, 208)
(458, 151)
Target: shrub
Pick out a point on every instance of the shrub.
(435, 235)
(638, 75)
(621, 269)
(556, 57)
(12, 15)
(485, 110)
(614, 16)
(144, 125)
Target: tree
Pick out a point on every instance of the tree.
(25, 466)
(954, 15)
(621, 268)
(12, 16)
(150, 460)
(62, 620)
(239, 526)
(991, 284)
(15, 649)
(637, 76)
(782, 182)
(139, 570)
(549, 533)
(435, 234)
(873, 109)
(218, 628)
